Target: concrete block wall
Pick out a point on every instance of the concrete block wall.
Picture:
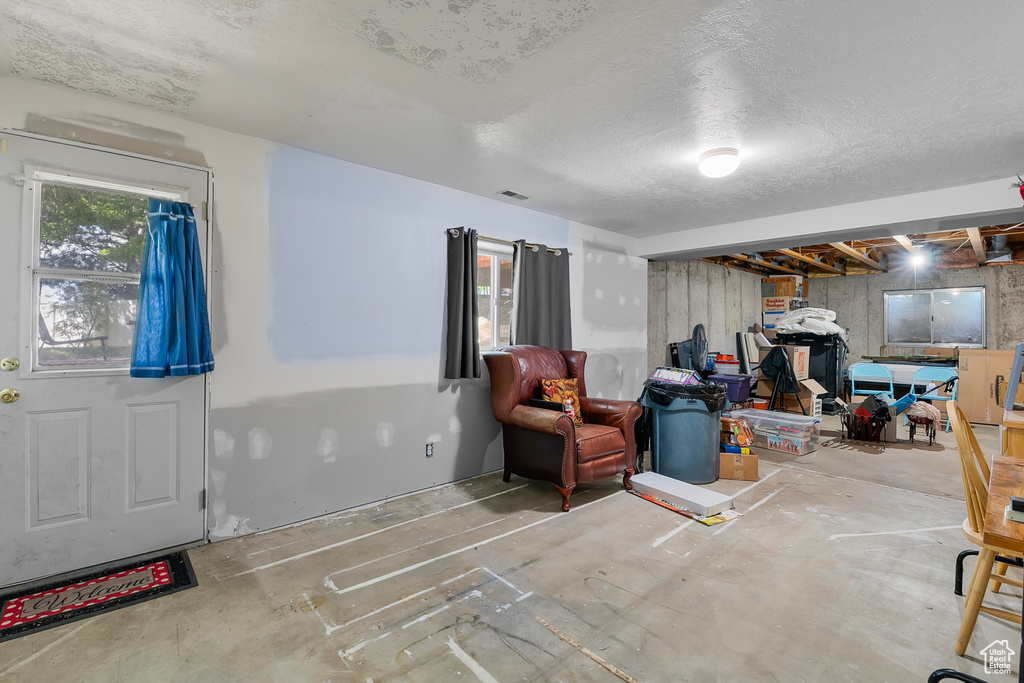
(858, 302)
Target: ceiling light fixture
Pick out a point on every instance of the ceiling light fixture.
(718, 163)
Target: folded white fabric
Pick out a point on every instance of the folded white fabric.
(809, 321)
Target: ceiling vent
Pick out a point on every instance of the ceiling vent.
(513, 195)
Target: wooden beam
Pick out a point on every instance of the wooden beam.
(905, 241)
(850, 251)
(765, 264)
(810, 261)
(977, 243)
(736, 266)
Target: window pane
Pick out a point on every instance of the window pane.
(483, 299)
(910, 318)
(505, 303)
(89, 229)
(958, 317)
(84, 323)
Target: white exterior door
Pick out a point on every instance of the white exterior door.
(95, 466)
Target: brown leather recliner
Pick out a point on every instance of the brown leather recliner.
(547, 444)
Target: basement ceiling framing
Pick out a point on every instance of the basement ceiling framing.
(966, 248)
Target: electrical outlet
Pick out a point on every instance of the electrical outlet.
(430, 449)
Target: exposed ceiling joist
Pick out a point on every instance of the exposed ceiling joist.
(977, 243)
(736, 265)
(905, 242)
(765, 264)
(810, 261)
(863, 258)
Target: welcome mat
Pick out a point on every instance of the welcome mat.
(63, 602)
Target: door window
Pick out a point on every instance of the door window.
(88, 240)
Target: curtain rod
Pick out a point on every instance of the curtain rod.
(557, 252)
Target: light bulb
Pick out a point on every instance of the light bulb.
(717, 163)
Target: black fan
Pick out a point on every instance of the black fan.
(691, 354)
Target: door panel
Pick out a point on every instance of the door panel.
(58, 465)
(95, 465)
(153, 456)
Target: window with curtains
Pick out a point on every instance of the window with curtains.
(494, 294)
(88, 241)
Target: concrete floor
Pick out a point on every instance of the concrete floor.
(840, 569)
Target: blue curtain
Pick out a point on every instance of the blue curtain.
(172, 328)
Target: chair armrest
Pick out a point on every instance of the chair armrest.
(610, 412)
(540, 420)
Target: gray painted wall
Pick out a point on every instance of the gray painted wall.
(681, 294)
(858, 302)
(327, 311)
(356, 279)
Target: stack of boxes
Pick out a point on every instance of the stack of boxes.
(779, 295)
(736, 461)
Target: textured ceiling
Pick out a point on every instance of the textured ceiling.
(595, 109)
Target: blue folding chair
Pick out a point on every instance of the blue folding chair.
(933, 376)
(872, 373)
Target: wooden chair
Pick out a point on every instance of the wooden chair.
(975, 472)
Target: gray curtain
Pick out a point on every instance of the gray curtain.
(540, 298)
(462, 346)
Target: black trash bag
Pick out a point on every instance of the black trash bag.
(877, 407)
(713, 396)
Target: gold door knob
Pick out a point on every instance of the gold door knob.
(9, 395)
(10, 363)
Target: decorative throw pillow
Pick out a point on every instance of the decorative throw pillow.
(563, 390)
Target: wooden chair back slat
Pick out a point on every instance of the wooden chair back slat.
(973, 468)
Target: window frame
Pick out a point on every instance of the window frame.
(501, 252)
(931, 332)
(32, 181)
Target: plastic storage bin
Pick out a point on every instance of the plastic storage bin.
(794, 434)
(738, 386)
(684, 424)
(727, 367)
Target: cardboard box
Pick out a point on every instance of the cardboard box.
(786, 285)
(984, 374)
(742, 466)
(780, 304)
(737, 431)
(809, 391)
(799, 359)
(894, 420)
(768, 320)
